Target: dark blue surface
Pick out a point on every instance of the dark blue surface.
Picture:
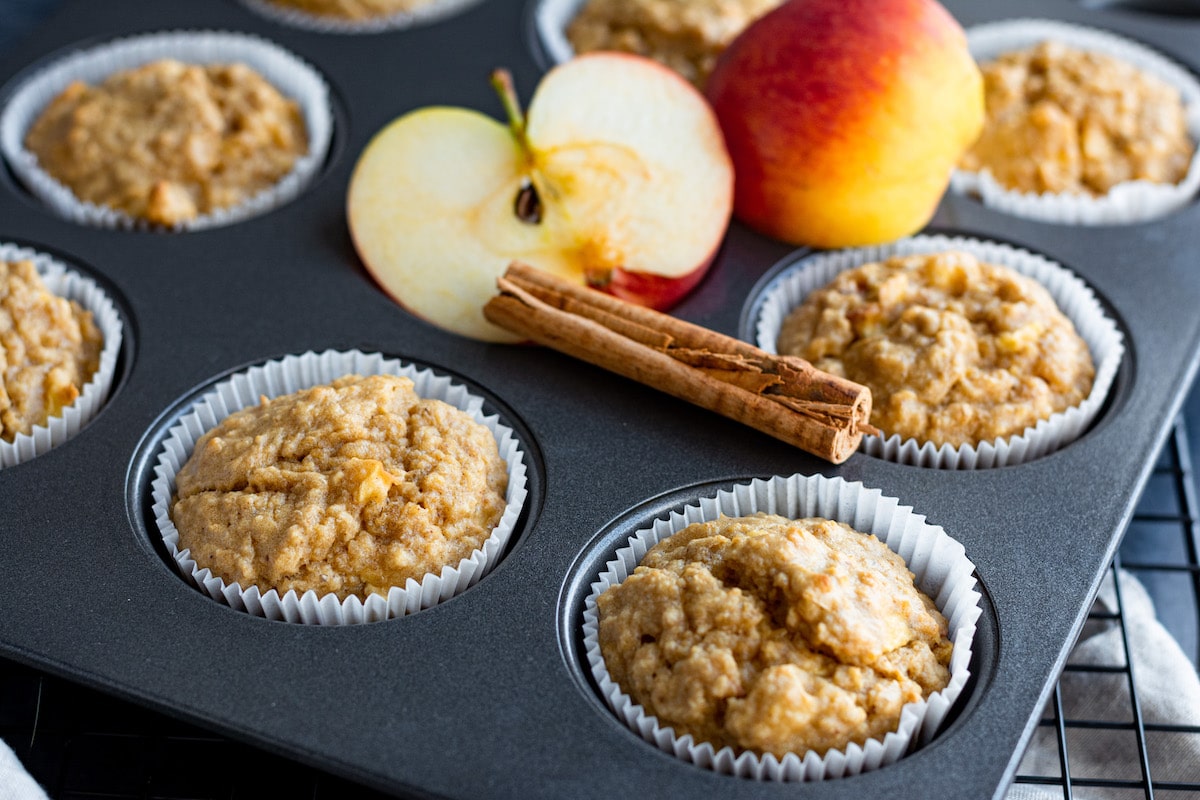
(20, 16)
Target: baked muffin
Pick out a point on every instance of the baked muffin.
(346, 489)
(783, 566)
(1064, 120)
(954, 349)
(685, 35)
(169, 141)
(355, 10)
(49, 349)
(773, 635)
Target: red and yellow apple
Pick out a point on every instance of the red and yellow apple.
(845, 118)
(617, 177)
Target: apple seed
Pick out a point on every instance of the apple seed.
(528, 204)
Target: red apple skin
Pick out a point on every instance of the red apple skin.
(845, 118)
(646, 289)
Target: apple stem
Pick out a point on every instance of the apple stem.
(527, 205)
(503, 84)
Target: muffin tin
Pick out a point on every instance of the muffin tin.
(488, 693)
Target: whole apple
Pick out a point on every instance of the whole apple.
(617, 178)
(845, 118)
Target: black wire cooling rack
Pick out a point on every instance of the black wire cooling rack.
(82, 744)
(1160, 548)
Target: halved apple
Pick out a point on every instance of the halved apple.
(618, 177)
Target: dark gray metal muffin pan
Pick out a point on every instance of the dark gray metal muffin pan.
(485, 694)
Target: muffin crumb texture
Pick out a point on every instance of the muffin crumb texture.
(1067, 121)
(348, 488)
(685, 35)
(49, 349)
(167, 141)
(773, 635)
(954, 350)
(354, 10)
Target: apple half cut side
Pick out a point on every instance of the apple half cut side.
(618, 177)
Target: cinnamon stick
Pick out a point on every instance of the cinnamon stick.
(783, 396)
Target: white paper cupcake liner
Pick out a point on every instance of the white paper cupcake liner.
(550, 20)
(422, 15)
(941, 569)
(1073, 297)
(293, 77)
(292, 374)
(1126, 203)
(65, 282)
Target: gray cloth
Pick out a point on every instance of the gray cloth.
(1168, 692)
(15, 783)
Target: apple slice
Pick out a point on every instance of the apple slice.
(618, 178)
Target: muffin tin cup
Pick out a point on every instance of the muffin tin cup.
(293, 77)
(421, 15)
(1129, 202)
(292, 374)
(65, 282)
(941, 570)
(1073, 297)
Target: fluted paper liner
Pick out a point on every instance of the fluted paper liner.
(1129, 202)
(550, 21)
(65, 282)
(1073, 297)
(292, 374)
(421, 15)
(293, 77)
(941, 569)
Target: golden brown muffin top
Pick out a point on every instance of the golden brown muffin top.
(49, 349)
(954, 350)
(1064, 120)
(773, 635)
(353, 10)
(169, 141)
(685, 35)
(348, 488)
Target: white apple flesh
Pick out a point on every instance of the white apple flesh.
(632, 191)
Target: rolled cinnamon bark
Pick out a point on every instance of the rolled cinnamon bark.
(783, 396)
